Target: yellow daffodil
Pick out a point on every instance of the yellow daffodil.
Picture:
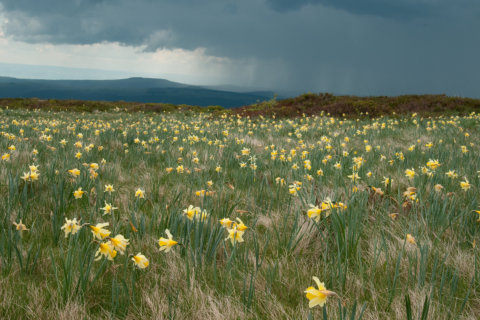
(71, 226)
(240, 225)
(314, 213)
(109, 188)
(99, 232)
(78, 193)
(26, 176)
(451, 174)
(167, 244)
(387, 181)
(140, 193)
(293, 188)
(433, 164)
(108, 208)
(140, 261)
(318, 296)
(105, 249)
(235, 235)
(465, 185)
(34, 175)
(226, 223)
(119, 243)
(20, 226)
(410, 173)
(191, 211)
(74, 172)
(410, 239)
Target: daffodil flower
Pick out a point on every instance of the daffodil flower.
(235, 235)
(226, 223)
(240, 225)
(167, 244)
(71, 226)
(78, 193)
(318, 297)
(140, 193)
(99, 232)
(140, 261)
(410, 173)
(74, 172)
(465, 185)
(411, 239)
(108, 208)
(314, 213)
(105, 249)
(109, 188)
(119, 243)
(20, 226)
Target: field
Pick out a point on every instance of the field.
(383, 211)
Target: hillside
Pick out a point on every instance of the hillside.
(311, 104)
(308, 104)
(144, 90)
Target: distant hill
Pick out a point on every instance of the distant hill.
(146, 90)
(354, 106)
(306, 104)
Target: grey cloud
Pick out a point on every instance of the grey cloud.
(399, 9)
(380, 47)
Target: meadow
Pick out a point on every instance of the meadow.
(215, 215)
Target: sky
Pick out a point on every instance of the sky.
(368, 47)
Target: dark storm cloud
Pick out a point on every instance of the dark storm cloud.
(344, 46)
(385, 8)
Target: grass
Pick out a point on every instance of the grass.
(252, 168)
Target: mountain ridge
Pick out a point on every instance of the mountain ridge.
(133, 89)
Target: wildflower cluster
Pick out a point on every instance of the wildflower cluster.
(337, 197)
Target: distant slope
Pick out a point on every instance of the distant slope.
(354, 106)
(306, 104)
(132, 89)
